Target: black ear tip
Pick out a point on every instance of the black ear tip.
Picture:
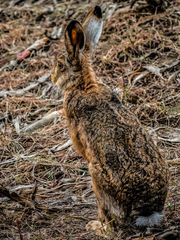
(98, 11)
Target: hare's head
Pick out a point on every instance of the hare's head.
(80, 41)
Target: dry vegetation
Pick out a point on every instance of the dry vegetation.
(45, 190)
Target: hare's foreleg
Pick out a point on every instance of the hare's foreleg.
(102, 226)
(105, 215)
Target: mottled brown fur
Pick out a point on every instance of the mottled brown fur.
(129, 176)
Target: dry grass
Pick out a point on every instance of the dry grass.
(46, 194)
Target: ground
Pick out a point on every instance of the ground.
(45, 187)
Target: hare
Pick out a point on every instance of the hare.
(129, 176)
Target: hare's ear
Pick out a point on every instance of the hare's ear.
(92, 26)
(74, 39)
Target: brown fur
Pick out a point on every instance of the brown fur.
(129, 176)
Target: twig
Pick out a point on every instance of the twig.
(38, 44)
(21, 92)
(20, 187)
(41, 123)
(56, 33)
(154, 69)
(171, 140)
(33, 195)
(167, 234)
(109, 11)
(168, 135)
(58, 147)
(18, 157)
(8, 162)
(13, 189)
(16, 123)
(174, 161)
(16, 2)
(15, 197)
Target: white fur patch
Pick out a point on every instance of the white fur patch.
(152, 220)
(93, 32)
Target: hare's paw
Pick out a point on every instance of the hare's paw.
(97, 227)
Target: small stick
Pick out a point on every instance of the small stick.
(41, 123)
(37, 45)
(58, 147)
(21, 92)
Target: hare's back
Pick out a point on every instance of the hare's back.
(115, 132)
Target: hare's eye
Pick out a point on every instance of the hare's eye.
(61, 66)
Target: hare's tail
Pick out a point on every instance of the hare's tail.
(154, 219)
